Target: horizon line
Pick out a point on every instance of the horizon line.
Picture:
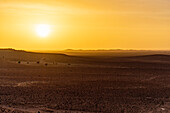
(52, 50)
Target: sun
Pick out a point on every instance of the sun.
(43, 30)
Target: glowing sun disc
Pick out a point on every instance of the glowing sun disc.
(43, 30)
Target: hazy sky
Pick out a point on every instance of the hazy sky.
(86, 24)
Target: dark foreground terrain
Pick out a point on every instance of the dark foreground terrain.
(47, 83)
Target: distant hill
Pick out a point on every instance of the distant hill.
(116, 52)
(85, 56)
(15, 55)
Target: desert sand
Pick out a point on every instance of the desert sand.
(61, 83)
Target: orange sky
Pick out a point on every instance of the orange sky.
(85, 24)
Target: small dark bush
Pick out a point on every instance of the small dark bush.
(46, 64)
(122, 111)
(38, 62)
(19, 62)
(162, 103)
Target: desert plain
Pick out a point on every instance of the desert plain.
(93, 82)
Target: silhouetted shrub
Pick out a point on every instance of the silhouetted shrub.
(122, 111)
(19, 62)
(162, 103)
(38, 62)
(46, 64)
